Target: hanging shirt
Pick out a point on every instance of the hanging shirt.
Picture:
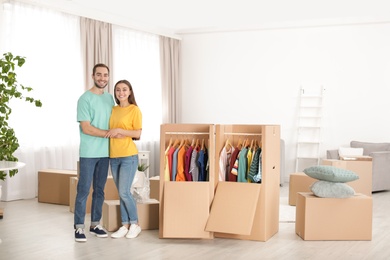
(180, 164)
(223, 162)
(233, 159)
(194, 169)
(170, 160)
(166, 166)
(187, 163)
(202, 162)
(174, 164)
(253, 174)
(243, 165)
(249, 158)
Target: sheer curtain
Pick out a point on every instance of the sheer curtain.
(170, 67)
(48, 136)
(136, 57)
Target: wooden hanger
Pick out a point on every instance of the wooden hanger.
(176, 143)
(239, 144)
(182, 142)
(170, 142)
(227, 144)
(196, 144)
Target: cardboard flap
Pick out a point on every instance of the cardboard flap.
(233, 208)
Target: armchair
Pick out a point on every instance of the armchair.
(380, 153)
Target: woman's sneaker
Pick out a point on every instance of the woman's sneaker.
(133, 231)
(98, 231)
(79, 235)
(122, 231)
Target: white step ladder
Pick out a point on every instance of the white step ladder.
(309, 129)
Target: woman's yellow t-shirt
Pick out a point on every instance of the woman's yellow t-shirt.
(128, 118)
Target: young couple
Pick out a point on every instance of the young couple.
(106, 137)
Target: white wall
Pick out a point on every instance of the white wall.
(254, 77)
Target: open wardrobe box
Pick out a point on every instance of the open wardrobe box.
(214, 208)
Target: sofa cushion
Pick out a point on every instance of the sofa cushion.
(327, 189)
(371, 147)
(330, 173)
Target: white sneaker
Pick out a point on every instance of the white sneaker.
(122, 231)
(133, 231)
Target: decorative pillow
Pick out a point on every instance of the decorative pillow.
(350, 152)
(327, 189)
(330, 173)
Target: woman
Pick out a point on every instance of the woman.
(125, 126)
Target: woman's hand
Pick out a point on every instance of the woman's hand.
(114, 133)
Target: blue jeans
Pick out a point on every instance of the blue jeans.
(123, 171)
(92, 171)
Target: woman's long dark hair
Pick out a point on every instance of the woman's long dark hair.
(131, 97)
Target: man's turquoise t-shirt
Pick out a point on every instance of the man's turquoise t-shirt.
(97, 110)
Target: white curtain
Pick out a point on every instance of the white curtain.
(48, 136)
(137, 59)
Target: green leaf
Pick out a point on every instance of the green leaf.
(10, 88)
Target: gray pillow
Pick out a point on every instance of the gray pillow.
(327, 189)
(330, 173)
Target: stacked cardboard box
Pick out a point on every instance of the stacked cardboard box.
(333, 218)
(154, 183)
(148, 212)
(53, 185)
(299, 182)
(147, 215)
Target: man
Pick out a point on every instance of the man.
(93, 113)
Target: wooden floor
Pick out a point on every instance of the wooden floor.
(32, 230)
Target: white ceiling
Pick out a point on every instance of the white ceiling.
(176, 17)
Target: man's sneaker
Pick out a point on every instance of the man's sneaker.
(120, 233)
(98, 231)
(133, 231)
(79, 235)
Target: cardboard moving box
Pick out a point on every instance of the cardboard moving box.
(154, 183)
(147, 215)
(363, 168)
(332, 218)
(110, 193)
(53, 185)
(299, 182)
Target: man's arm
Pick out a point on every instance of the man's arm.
(89, 129)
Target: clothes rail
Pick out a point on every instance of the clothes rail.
(243, 134)
(187, 133)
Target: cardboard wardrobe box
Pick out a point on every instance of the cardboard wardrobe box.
(53, 185)
(110, 193)
(147, 215)
(299, 182)
(223, 209)
(362, 166)
(333, 218)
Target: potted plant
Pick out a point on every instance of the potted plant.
(10, 88)
(140, 186)
(142, 167)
